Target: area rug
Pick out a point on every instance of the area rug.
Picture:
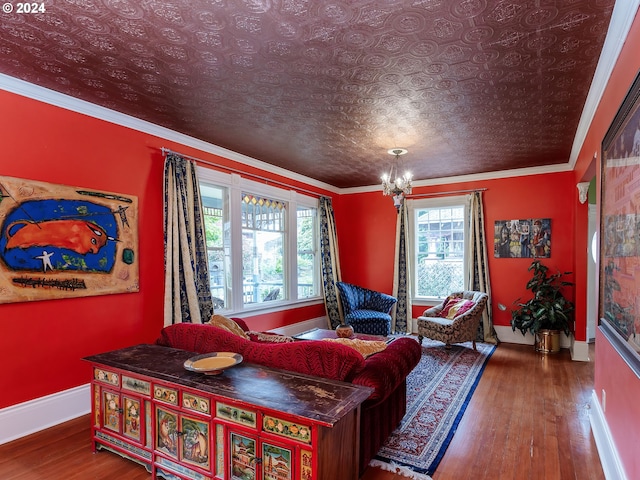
(438, 392)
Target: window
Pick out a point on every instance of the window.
(263, 240)
(438, 246)
(307, 246)
(215, 207)
(261, 243)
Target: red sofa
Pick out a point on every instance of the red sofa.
(384, 372)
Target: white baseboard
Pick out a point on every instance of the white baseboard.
(580, 351)
(507, 335)
(29, 417)
(296, 328)
(609, 459)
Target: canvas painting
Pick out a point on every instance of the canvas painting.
(58, 241)
(619, 263)
(523, 238)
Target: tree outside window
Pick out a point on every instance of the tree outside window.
(439, 247)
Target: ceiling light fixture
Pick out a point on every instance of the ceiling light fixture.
(394, 185)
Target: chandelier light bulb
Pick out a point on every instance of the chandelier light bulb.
(400, 186)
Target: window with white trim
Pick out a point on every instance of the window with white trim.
(438, 246)
(263, 249)
(261, 241)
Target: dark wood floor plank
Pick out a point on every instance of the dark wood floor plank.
(528, 419)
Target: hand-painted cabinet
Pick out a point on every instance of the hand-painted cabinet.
(248, 423)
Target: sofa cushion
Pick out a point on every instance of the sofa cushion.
(241, 323)
(228, 324)
(201, 338)
(267, 337)
(316, 358)
(313, 357)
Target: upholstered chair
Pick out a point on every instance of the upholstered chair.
(367, 311)
(455, 320)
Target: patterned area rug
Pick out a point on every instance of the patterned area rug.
(438, 392)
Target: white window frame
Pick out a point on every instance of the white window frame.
(438, 202)
(236, 185)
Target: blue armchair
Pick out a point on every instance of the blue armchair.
(367, 311)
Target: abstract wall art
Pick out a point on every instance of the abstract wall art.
(58, 241)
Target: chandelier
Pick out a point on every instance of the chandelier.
(394, 185)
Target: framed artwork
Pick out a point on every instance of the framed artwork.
(276, 462)
(195, 442)
(243, 457)
(619, 303)
(58, 241)
(522, 238)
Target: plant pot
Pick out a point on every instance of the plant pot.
(548, 341)
(344, 331)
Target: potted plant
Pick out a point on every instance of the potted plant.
(548, 313)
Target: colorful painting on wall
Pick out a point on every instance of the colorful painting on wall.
(527, 238)
(619, 259)
(58, 241)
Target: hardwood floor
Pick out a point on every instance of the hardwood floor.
(528, 420)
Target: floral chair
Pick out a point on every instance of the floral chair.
(455, 320)
(367, 311)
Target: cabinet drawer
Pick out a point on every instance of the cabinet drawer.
(196, 403)
(136, 385)
(284, 428)
(240, 416)
(105, 376)
(165, 394)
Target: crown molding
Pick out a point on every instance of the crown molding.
(51, 97)
(622, 17)
(517, 172)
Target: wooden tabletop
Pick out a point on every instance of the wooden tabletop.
(322, 400)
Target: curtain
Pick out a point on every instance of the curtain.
(402, 321)
(477, 268)
(187, 295)
(330, 262)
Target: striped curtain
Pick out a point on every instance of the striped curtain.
(330, 262)
(477, 268)
(187, 295)
(402, 320)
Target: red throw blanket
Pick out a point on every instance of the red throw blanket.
(316, 358)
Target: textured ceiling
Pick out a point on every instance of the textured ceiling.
(325, 88)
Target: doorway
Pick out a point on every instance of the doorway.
(592, 288)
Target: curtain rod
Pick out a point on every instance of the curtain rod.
(166, 151)
(451, 192)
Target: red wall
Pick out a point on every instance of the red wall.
(366, 226)
(42, 343)
(611, 373)
(622, 387)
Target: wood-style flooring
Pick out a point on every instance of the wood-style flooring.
(528, 420)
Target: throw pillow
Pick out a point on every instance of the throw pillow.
(227, 324)
(366, 348)
(455, 309)
(447, 306)
(269, 337)
(466, 306)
